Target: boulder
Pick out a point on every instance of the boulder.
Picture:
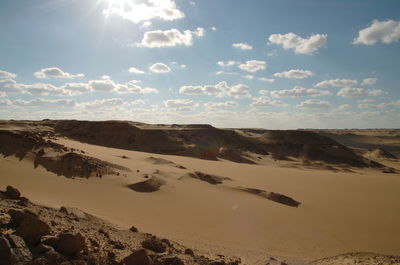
(28, 225)
(49, 241)
(13, 250)
(133, 229)
(71, 244)
(49, 258)
(170, 261)
(154, 244)
(137, 257)
(12, 193)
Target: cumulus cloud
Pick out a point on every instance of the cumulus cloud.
(227, 63)
(387, 31)
(45, 103)
(160, 68)
(351, 92)
(42, 89)
(298, 44)
(336, 83)
(219, 90)
(295, 73)
(169, 38)
(239, 91)
(264, 101)
(9, 85)
(143, 12)
(55, 72)
(249, 77)
(314, 104)
(180, 104)
(217, 105)
(300, 92)
(109, 103)
(134, 70)
(102, 85)
(226, 73)
(77, 88)
(7, 75)
(132, 87)
(242, 46)
(369, 81)
(268, 80)
(253, 66)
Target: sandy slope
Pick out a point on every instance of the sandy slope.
(340, 212)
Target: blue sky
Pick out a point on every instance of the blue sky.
(274, 64)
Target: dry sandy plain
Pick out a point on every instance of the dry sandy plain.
(227, 206)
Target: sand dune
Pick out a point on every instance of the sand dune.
(340, 212)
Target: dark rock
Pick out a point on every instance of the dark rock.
(137, 257)
(189, 252)
(105, 233)
(13, 250)
(49, 241)
(42, 248)
(51, 257)
(23, 201)
(133, 229)
(154, 244)
(12, 193)
(28, 225)
(71, 244)
(170, 261)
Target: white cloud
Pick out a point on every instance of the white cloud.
(102, 85)
(213, 28)
(300, 92)
(227, 63)
(138, 102)
(55, 72)
(169, 38)
(143, 12)
(369, 81)
(336, 83)
(268, 80)
(314, 104)
(217, 105)
(249, 77)
(380, 105)
(9, 85)
(263, 92)
(385, 31)
(132, 87)
(295, 73)
(134, 70)
(239, 91)
(109, 103)
(263, 101)
(298, 44)
(242, 46)
(160, 68)
(45, 103)
(253, 66)
(181, 104)
(41, 89)
(351, 92)
(7, 75)
(344, 107)
(226, 73)
(219, 90)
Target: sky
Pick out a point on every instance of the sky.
(273, 64)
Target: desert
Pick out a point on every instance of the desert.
(204, 195)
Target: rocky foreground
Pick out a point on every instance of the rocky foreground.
(33, 234)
